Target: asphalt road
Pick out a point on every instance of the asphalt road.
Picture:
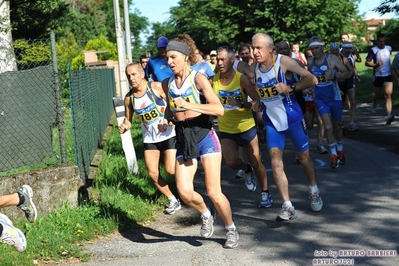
(358, 224)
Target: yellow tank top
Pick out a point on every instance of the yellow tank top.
(235, 120)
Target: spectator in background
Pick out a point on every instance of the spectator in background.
(23, 199)
(143, 60)
(379, 59)
(245, 52)
(301, 57)
(212, 61)
(195, 59)
(157, 68)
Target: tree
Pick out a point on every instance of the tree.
(388, 6)
(236, 21)
(35, 19)
(99, 44)
(391, 31)
(7, 56)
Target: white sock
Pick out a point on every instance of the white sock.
(172, 199)
(230, 227)
(287, 204)
(333, 149)
(206, 214)
(313, 189)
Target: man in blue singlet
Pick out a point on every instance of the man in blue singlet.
(283, 117)
(157, 68)
(328, 69)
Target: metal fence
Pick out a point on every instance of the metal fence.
(31, 115)
(92, 91)
(28, 106)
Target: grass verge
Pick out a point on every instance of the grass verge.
(120, 201)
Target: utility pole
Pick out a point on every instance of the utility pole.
(127, 142)
(127, 31)
(121, 50)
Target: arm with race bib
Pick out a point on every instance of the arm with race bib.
(307, 80)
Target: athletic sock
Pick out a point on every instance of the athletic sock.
(230, 227)
(206, 214)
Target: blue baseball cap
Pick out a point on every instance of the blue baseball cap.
(162, 42)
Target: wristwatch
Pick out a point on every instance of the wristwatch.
(242, 104)
(293, 87)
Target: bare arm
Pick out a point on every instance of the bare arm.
(126, 124)
(394, 74)
(335, 63)
(357, 55)
(307, 79)
(248, 88)
(213, 105)
(246, 70)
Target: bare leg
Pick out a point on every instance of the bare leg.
(151, 158)
(212, 169)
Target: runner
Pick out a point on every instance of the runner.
(283, 117)
(192, 101)
(147, 100)
(237, 125)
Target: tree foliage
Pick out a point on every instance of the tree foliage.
(388, 6)
(391, 31)
(236, 21)
(100, 44)
(35, 19)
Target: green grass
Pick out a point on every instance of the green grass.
(120, 201)
(364, 89)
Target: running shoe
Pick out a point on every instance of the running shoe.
(12, 235)
(28, 206)
(341, 157)
(334, 161)
(240, 174)
(390, 119)
(265, 200)
(173, 207)
(250, 180)
(374, 109)
(207, 225)
(286, 214)
(316, 203)
(232, 237)
(321, 149)
(353, 127)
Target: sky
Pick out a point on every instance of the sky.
(158, 10)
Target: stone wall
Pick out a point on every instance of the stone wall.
(51, 187)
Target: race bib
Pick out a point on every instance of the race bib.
(224, 97)
(148, 115)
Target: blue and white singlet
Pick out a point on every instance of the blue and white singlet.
(281, 110)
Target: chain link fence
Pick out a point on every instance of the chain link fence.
(91, 91)
(35, 130)
(28, 108)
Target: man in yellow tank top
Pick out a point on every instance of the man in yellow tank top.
(237, 125)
